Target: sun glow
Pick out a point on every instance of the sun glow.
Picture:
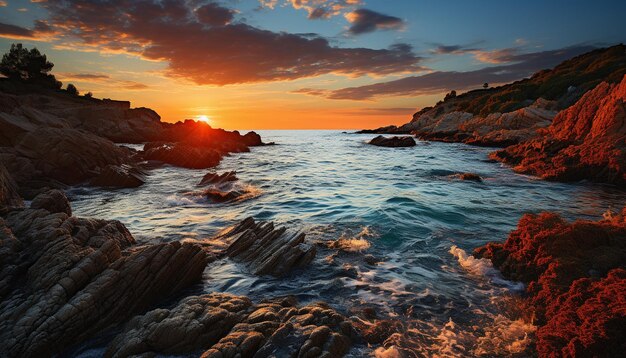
(203, 118)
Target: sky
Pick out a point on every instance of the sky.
(296, 64)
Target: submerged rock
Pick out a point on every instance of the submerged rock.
(470, 177)
(224, 325)
(575, 279)
(267, 250)
(119, 176)
(394, 142)
(64, 279)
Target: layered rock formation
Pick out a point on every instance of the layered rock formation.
(265, 249)
(575, 278)
(8, 191)
(393, 142)
(64, 279)
(218, 179)
(224, 326)
(585, 141)
(512, 113)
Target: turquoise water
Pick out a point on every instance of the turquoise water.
(402, 206)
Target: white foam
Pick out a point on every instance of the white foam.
(483, 267)
(175, 200)
(505, 337)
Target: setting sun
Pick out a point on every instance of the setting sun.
(204, 118)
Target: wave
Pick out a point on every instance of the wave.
(483, 267)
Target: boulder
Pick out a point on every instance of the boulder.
(119, 176)
(585, 141)
(575, 281)
(218, 179)
(224, 325)
(470, 177)
(394, 142)
(54, 201)
(182, 155)
(65, 279)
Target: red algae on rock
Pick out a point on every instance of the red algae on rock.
(576, 281)
(585, 141)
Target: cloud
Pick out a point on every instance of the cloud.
(130, 85)
(364, 21)
(441, 49)
(317, 9)
(83, 76)
(506, 55)
(204, 45)
(14, 32)
(443, 81)
(3, 3)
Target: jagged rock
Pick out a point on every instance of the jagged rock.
(267, 250)
(64, 279)
(585, 141)
(119, 176)
(225, 325)
(217, 179)
(575, 281)
(470, 177)
(8, 191)
(54, 201)
(381, 141)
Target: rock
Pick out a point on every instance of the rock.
(266, 250)
(379, 331)
(224, 325)
(575, 281)
(119, 176)
(470, 177)
(381, 141)
(65, 279)
(223, 196)
(217, 179)
(9, 197)
(585, 141)
(182, 155)
(54, 201)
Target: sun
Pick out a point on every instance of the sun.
(203, 118)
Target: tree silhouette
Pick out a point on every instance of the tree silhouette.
(28, 65)
(486, 85)
(71, 89)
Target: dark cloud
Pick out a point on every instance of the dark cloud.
(440, 81)
(84, 76)
(214, 14)
(13, 31)
(364, 21)
(441, 49)
(213, 51)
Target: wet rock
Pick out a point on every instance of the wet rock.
(379, 331)
(217, 179)
(54, 201)
(394, 142)
(224, 325)
(182, 155)
(267, 250)
(64, 279)
(575, 282)
(470, 177)
(585, 141)
(119, 176)
(8, 191)
(220, 196)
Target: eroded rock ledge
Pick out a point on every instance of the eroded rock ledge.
(575, 276)
(222, 325)
(64, 279)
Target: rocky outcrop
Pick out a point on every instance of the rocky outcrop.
(119, 176)
(224, 325)
(575, 281)
(8, 191)
(585, 141)
(393, 142)
(54, 201)
(182, 155)
(63, 279)
(265, 249)
(513, 113)
(218, 179)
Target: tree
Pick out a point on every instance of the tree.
(88, 95)
(20, 63)
(71, 89)
(450, 95)
(486, 85)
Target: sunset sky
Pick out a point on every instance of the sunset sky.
(265, 64)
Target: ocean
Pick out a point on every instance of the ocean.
(403, 227)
